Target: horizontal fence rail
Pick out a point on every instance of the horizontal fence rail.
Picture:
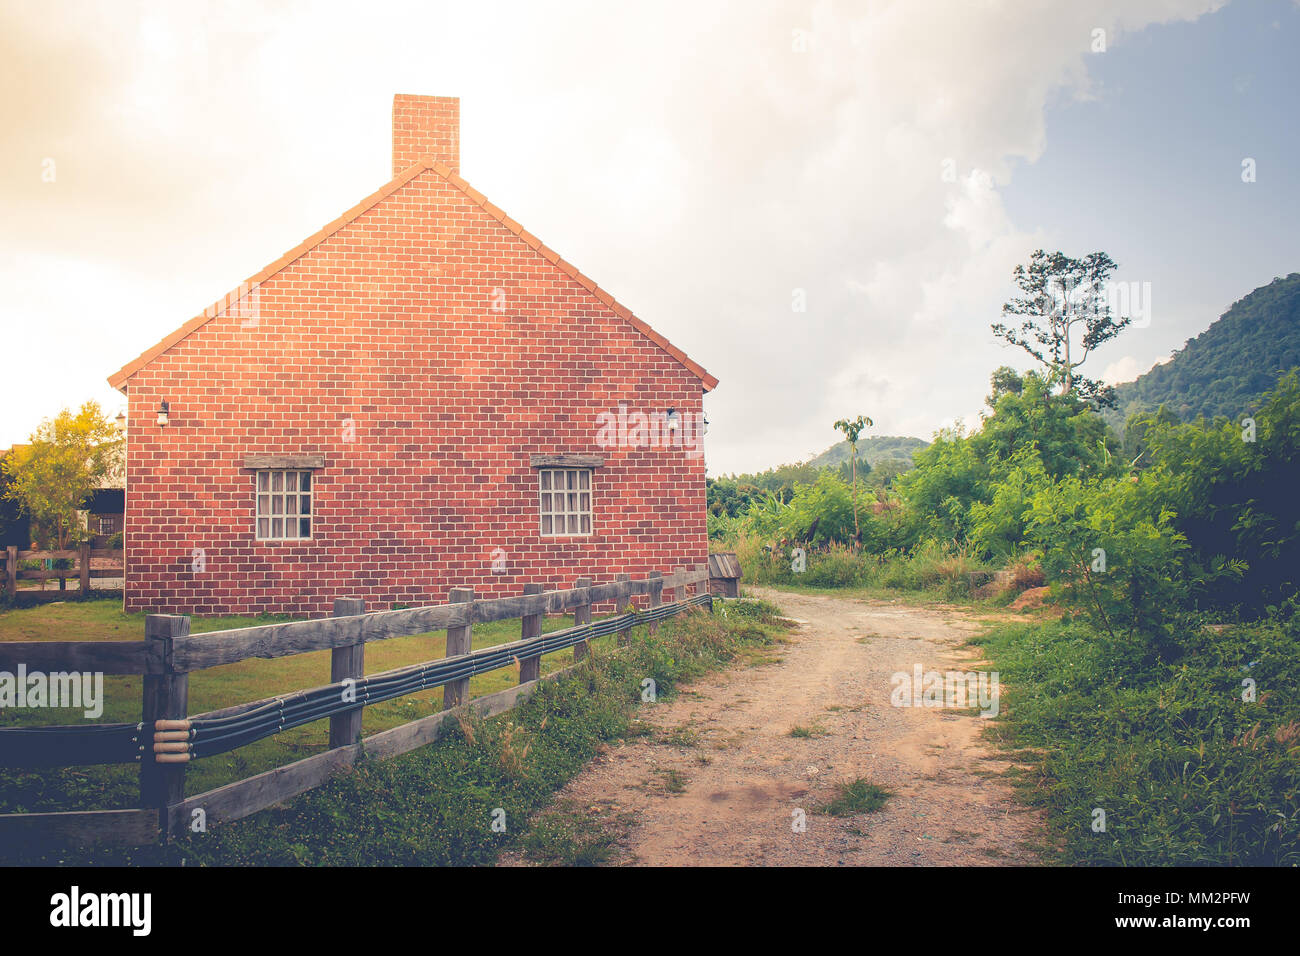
(82, 572)
(106, 657)
(216, 648)
(166, 738)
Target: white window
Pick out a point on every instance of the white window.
(565, 501)
(283, 505)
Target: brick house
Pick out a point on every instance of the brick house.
(419, 396)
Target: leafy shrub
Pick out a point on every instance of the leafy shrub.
(998, 526)
(1234, 495)
(765, 516)
(821, 513)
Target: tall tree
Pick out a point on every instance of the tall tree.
(1004, 381)
(1064, 313)
(852, 429)
(68, 457)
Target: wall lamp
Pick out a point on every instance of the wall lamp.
(163, 411)
(672, 419)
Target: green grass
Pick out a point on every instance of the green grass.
(436, 805)
(854, 797)
(674, 780)
(815, 730)
(563, 835)
(1186, 771)
(683, 736)
(116, 786)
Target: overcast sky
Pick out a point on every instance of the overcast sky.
(710, 164)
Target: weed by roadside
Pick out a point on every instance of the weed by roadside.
(567, 835)
(856, 796)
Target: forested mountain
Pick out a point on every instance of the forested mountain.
(873, 451)
(1225, 369)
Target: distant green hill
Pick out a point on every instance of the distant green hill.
(879, 460)
(1226, 368)
(873, 451)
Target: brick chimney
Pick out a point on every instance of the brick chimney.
(425, 126)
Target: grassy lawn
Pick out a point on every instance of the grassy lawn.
(116, 786)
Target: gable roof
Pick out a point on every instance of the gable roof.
(119, 378)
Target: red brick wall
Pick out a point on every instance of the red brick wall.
(425, 126)
(395, 323)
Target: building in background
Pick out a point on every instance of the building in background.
(15, 524)
(422, 395)
(105, 513)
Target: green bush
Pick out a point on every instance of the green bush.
(821, 513)
(1113, 552)
(1203, 517)
(1233, 493)
(997, 527)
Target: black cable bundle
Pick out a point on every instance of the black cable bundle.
(70, 745)
(214, 735)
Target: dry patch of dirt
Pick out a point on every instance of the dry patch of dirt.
(1033, 598)
(734, 759)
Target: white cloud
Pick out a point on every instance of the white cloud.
(1128, 368)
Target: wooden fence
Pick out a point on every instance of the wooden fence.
(169, 653)
(82, 571)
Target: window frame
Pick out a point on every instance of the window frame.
(546, 487)
(283, 494)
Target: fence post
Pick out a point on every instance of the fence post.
(347, 662)
(11, 570)
(459, 641)
(680, 593)
(530, 668)
(622, 607)
(582, 615)
(656, 596)
(83, 566)
(166, 697)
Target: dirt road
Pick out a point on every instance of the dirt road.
(722, 779)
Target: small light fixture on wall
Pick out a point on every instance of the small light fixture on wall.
(672, 419)
(163, 411)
